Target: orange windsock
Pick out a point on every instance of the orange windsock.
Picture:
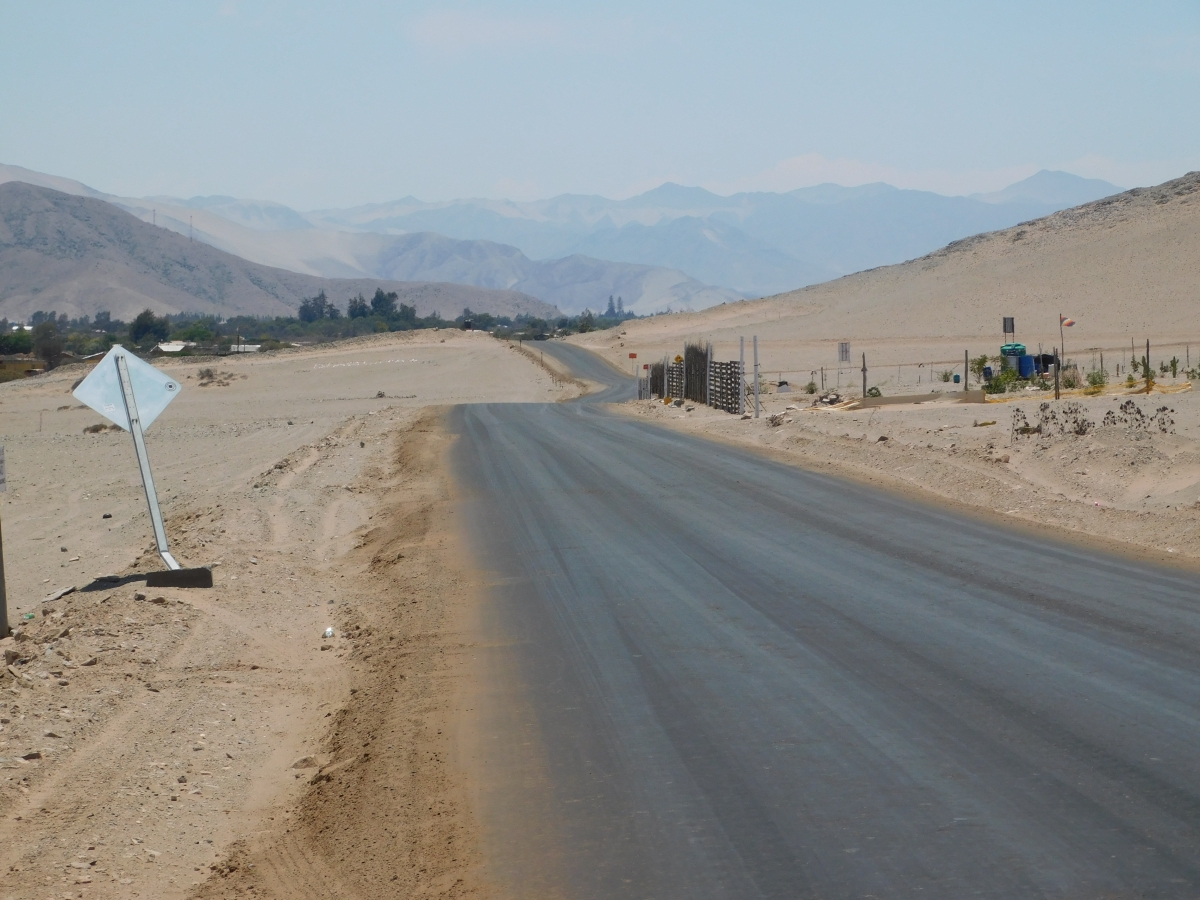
(1066, 322)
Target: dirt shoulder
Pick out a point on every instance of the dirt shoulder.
(1132, 484)
(172, 743)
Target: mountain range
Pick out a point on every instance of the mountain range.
(755, 243)
(673, 247)
(79, 255)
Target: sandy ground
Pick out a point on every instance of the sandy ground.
(1133, 483)
(170, 743)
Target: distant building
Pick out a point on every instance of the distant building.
(244, 348)
(173, 346)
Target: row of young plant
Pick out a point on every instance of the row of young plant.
(1071, 378)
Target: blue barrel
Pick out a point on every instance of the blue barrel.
(1025, 366)
(957, 378)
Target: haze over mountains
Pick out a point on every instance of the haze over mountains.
(79, 255)
(673, 247)
(1126, 267)
(755, 243)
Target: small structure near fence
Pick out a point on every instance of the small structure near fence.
(696, 376)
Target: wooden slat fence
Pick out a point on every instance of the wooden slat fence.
(726, 387)
(675, 379)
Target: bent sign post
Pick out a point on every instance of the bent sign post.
(3, 585)
(131, 394)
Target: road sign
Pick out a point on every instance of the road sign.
(132, 393)
(633, 356)
(101, 390)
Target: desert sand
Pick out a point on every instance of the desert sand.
(171, 743)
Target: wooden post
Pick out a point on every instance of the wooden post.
(757, 405)
(1057, 369)
(864, 375)
(708, 377)
(741, 376)
(966, 370)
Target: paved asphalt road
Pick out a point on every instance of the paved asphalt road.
(704, 674)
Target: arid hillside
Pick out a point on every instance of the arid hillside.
(78, 255)
(1125, 268)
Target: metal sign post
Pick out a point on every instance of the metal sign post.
(4, 629)
(139, 448)
(112, 389)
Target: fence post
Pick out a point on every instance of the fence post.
(864, 375)
(757, 405)
(967, 370)
(741, 376)
(708, 377)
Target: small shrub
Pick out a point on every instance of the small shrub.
(1070, 379)
(95, 429)
(810, 388)
(1130, 381)
(874, 392)
(1004, 380)
(208, 374)
(946, 375)
(1130, 415)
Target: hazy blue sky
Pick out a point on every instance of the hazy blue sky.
(343, 103)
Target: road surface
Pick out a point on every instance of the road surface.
(703, 674)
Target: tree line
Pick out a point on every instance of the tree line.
(53, 335)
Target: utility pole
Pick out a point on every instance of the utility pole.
(1057, 367)
(708, 377)
(757, 405)
(742, 376)
(967, 370)
(864, 375)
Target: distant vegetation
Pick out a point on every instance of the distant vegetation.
(318, 319)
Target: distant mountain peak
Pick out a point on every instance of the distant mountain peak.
(1052, 187)
(674, 196)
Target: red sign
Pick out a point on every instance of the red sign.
(645, 365)
(633, 356)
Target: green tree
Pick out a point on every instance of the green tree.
(313, 308)
(384, 304)
(358, 307)
(16, 342)
(148, 328)
(48, 343)
(587, 322)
